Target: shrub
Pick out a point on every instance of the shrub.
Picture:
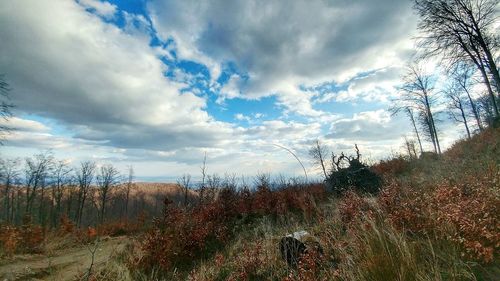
(392, 167)
(465, 214)
(9, 239)
(352, 208)
(66, 226)
(183, 235)
(27, 238)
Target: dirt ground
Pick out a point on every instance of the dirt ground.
(62, 264)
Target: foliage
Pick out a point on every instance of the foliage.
(27, 238)
(184, 234)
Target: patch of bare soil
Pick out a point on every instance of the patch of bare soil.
(63, 264)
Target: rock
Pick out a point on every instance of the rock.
(293, 246)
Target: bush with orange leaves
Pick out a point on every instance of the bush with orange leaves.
(66, 226)
(184, 234)
(9, 239)
(353, 207)
(407, 208)
(467, 213)
(395, 166)
(473, 212)
(248, 263)
(27, 238)
(308, 269)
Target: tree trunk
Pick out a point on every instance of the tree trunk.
(416, 130)
(464, 119)
(103, 206)
(489, 57)
(432, 124)
(490, 91)
(126, 203)
(482, 69)
(41, 209)
(474, 110)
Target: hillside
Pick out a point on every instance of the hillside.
(435, 218)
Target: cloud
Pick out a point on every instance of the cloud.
(231, 88)
(97, 79)
(25, 125)
(90, 69)
(377, 86)
(369, 125)
(102, 8)
(283, 45)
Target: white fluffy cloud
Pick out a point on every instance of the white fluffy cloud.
(369, 125)
(67, 64)
(283, 45)
(24, 125)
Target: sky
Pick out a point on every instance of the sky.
(158, 84)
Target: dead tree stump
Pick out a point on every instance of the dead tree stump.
(293, 246)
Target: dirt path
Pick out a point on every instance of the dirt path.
(64, 264)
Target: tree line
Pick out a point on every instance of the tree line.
(42, 190)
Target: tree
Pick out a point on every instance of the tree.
(36, 171)
(462, 76)
(107, 178)
(61, 179)
(462, 30)
(416, 94)
(318, 154)
(486, 109)
(9, 174)
(203, 169)
(456, 103)
(409, 111)
(409, 145)
(5, 106)
(184, 183)
(85, 176)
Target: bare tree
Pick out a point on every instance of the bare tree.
(318, 154)
(462, 76)
(456, 105)
(9, 174)
(37, 170)
(92, 250)
(462, 30)
(61, 179)
(486, 109)
(214, 182)
(408, 109)
(417, 95)
(185, 182)
(5, 106)
(107, 178)
(85, 176)
(410, 148)
(203, 169)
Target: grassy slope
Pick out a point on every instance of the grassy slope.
(361, 239)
